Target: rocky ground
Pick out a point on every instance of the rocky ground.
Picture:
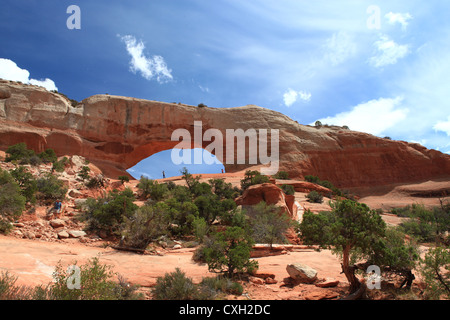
(38, 243)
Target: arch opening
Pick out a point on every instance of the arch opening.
(169, 163)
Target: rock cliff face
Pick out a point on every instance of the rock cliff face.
(116, 132)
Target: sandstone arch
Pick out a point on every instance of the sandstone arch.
(116, 132)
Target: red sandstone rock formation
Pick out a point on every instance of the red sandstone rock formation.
(271, 195)
(115, 133)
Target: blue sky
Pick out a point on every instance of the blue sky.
(377, 66)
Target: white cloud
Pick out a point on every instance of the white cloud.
(149, 67)
(339, 48)
(401, 18)
(443, 126)
(389, 52)
(291, 96)
(374, 117)
(10, 71)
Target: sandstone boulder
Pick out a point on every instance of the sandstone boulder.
(270, 194)
(76, 233)
(57, 223)
(301, 273)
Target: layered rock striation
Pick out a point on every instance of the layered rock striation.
(115, 133)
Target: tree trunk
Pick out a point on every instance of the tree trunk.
(349, 271)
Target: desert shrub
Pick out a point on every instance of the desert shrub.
(96, 283)
(351, 229)
(12, 202)
(146, 224)
(318, 124)
(174, 286)
(314, 197)
(108, 213)
(20, 153)
(48, 156)
(190, 180)
(425, 225)
(50, 188)
(326, 184)
(281, 175)
(124, 179)
(229, 252)
(435, 270)
(152, 189)
(213, 287)
(267, 224)
(252, 178)
(84, 173)
(10, 291)
(200, 228)
(211, 207)
(222, 189)
(59, 165)
(202, 105)
(27, 183)
(288, 189)
(95, 182)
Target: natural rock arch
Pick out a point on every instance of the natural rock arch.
(116, 132)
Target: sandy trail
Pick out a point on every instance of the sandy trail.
(33, 263)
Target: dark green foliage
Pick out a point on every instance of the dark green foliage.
(327, 184)
(124, 179)
(288, 189)
(425, 224)
(12, 202)
(146, 224)
(315, 197)
(202, 105)
(20, 153)
(27, 183)
(152, 189)
(281, 175)
(84, 173)
(109, 213)
(229, 252)
(267, 224)
(48, 156)
(174, 286)
(435, 270)
(352, 228)
(50, 188)
(222, 189)
(211, 207)
(59, 165)
(252, 178)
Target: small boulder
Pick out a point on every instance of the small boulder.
(327, 283)
(301, 273)
(57, 223)
(76, 233)
(63, 235)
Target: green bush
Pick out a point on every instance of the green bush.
(96, 283)
(174, 286)
(147, 223)
(267, 224)
(281, 175)
(107, 214)
(124, 179)
(27, 183)
(59, 165)
(315, 197)
(48, 156)
(12, 202)
(84, 173)
(20, 153)
(252, 178)
(152, 189)
(288, 189)
(229, 252)
(50, 188)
